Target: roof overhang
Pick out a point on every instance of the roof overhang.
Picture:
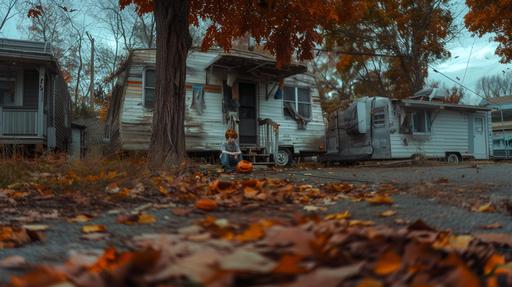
(440, 106)
(27, 52)
(255, 65)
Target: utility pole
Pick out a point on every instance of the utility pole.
(91, 87)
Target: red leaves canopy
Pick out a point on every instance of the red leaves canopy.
(282, 26)
(491, 16)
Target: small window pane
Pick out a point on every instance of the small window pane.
(150, 80)
(304, 95)
(305, 110)
(7, 93)
(289, 94)
(149, 97)
(419, 122)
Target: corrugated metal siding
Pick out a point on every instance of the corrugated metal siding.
(449, 133)
(206, 131)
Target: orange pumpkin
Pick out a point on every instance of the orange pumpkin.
(244, 166)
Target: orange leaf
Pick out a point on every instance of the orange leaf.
(387, 213)
(494, 261)
(380, 199)
(369, 282)
(146, 219)
(389, 262)
(338, 216)
(206, 204)
(93, 228)
(289, 264)
(250, 192)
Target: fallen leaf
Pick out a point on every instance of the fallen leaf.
(35, 227)
(95, 236)
(312, 208)
(493, 262)
(387, 213)
(495, 238)
(290, 264)
(488, 207)
(244, 260)
(80, 218)
(112, 188)
(13, 261)
(250, 192)
(389, 262)
(327, 277)
(206, 204)
(338, 216)
(371, 282)
(145, 218)
(94, 228)
(380, 199)
(180, 211)
(492, 226)
(357, 222)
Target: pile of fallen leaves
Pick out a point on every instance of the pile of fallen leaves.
(311, 251)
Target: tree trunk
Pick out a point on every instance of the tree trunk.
(167, 148)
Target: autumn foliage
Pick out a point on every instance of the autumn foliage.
(489, 16)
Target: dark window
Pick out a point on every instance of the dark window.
(149, 88)
(421, 122)
(299, 99)
(379, 117)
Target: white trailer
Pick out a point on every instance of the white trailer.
(383, 128)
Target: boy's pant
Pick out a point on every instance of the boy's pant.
(229, 162)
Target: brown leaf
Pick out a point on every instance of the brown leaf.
(81, 218)
(180, 211)
(94, 228)
(488, 207)
(389, 262)
(13, 261)
(371, 282)
(289, 264)
(496, 238)
(327, 277)
(492, 226)
(206, 204)
(380, 199)
(338, 216)
(387, 213)
(42, 276)
(244, 260)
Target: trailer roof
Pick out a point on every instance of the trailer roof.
(258, 65)
(440, 105)
(22, 50)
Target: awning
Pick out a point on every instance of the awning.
(440, 106)
(255, 65)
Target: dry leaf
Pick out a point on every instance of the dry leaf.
(371, 282)
(243, 260)
(289, 264)
(94, 228)
(380, 199)
(13, 261)
(387, 213)
(145, 218)
(35, 227)
(389, 262)
(206, 204)
(493, 262)
(338, 216)
(492, 226)
(488, 207)
(327, 277)
(80, 218)
(496, 238)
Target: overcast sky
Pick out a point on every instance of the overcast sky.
(472, 57)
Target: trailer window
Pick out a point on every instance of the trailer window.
(149, 88)
(379, 117)
(299, 99)
(421, 122)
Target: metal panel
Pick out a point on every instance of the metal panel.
(19, 122)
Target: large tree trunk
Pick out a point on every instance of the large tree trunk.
(167, 148)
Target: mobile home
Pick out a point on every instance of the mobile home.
(501, 125)
(276, 111)
(383, 128)
(34, 101)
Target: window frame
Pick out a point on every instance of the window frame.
(17, 78)
(427, 122)
(296, 101)
(144, 86)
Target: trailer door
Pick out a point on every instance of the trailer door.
(479, 137)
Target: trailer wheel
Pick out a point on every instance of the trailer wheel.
(453, 158)
(284, 157)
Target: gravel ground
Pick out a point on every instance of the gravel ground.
(63, 238)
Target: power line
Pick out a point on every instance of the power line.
(469, 58)
(449, 78)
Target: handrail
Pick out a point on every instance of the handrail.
(269, 136)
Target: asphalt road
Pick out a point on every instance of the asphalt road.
(63, 238)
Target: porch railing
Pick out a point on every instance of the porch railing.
(16, 121)
(269, 136)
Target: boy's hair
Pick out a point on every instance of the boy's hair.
(231, 133)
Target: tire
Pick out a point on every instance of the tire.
(453, 158)
(284, 157)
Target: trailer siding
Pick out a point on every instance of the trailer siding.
(205, 131)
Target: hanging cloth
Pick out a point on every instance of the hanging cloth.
(301, 121)
(198, 102)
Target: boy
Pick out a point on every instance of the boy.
(230, 151)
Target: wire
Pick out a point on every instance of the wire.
(469, 58)
(435, 70)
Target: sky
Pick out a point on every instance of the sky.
(471, 57)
